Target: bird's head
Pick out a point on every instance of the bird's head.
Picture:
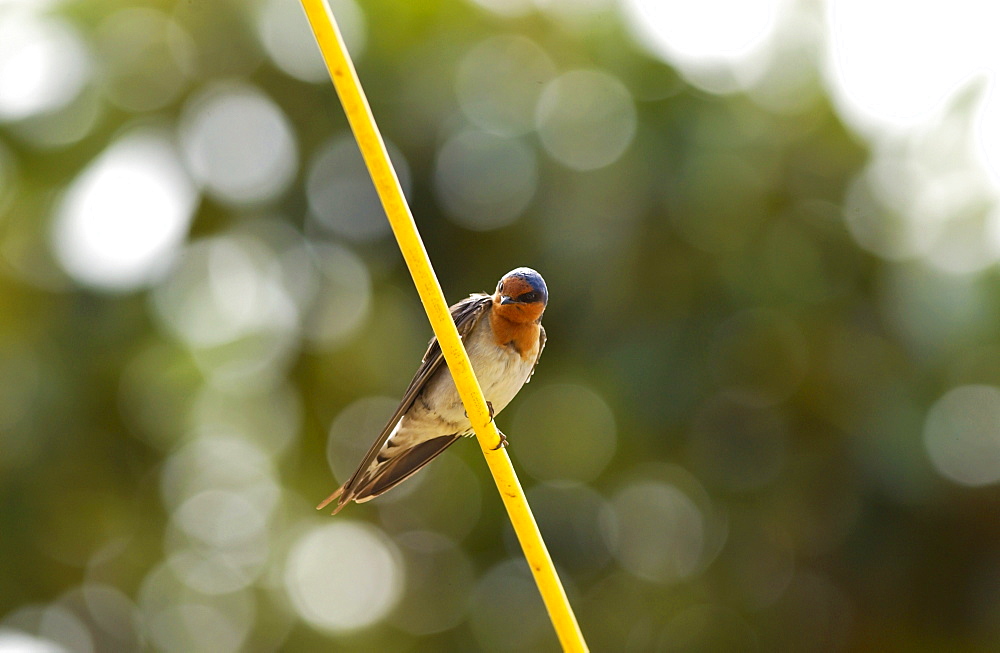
(521, 296)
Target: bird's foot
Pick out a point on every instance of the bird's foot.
(488, 405)
(503, 441)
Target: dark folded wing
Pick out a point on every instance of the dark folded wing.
(402, 467)
(466, 315)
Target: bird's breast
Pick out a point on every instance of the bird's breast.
(502, 363)
(501, 370)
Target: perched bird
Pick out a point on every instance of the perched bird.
(504, 337)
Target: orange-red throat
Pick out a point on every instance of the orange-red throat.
(517, 309)
(516, 328)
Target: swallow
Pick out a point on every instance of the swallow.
(504, 338)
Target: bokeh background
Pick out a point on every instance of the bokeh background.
(768, 416)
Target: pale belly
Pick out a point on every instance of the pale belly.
(501, 372)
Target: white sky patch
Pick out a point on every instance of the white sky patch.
(894, 64)
(123, 218)
(704, 38)
(986, 131)
(14, 640)
(43, 64)
(894, 68)
(917, 80)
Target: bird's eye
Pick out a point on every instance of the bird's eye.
(527, 297)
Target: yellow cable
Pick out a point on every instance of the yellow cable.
(359, 115)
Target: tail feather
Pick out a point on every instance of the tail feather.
(386, 473)
(330, 499)
(404, 465)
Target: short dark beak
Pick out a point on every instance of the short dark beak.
(504, 299)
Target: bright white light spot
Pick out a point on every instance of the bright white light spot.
(569, 433)
(43, 64)
(925, 201)
(285, 34)
(894, 63)
(986, 132)
(343, 576)
(661, 532)
(876, 210)
(498, 83)
(970, 243)
(704, 32)
(911, 71)
(239, 144)
(705, 38)
(784, 74)
(484, 181)
(586, 119)
(962, 435)
(39, 628)
(124, 216)
(64, 126)
(14, 641)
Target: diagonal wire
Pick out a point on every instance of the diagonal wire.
(345, 80)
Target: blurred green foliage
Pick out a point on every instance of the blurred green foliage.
(727, 443)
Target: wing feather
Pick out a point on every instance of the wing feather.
(403, 467)
(466, 314)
